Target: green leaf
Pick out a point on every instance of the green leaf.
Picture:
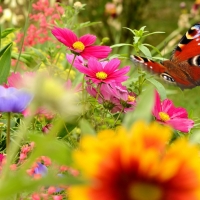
(5, 62)
(159, 87)
(28, 58)
(143, 109)
(156, 32)
(49, 146)
(2, 51)
(86, 24)
(120, 45)
(145, 50)
(7, 31)
(86, 127)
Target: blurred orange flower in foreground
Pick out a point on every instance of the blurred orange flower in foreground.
(138, 164)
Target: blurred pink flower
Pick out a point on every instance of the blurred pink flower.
(106, 72)
(166, 113)
(114, 97)
(68, 86)
(19, 81)
(2, 156)
(81, 46)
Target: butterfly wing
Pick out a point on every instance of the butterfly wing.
(184, 66)
(154, 67)
(188, 46)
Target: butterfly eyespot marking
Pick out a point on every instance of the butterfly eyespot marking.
(195, 61)
(193, 32)
(167, 77)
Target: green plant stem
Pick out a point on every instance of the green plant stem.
(117, 118)
(71, 67)
(24, 33)
(98, 91)
(8, 132)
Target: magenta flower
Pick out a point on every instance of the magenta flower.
(166, 113)
(114, 97)
(81, 46)
(103, 72)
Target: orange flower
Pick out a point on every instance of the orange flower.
(137, 165)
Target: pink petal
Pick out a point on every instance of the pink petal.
(181, 124)
(112, 65)
(168, 106)
(157, 106)
(96, 51)
(95, 65)
(120, 72)
(179, 112)
(116, 79)
(88, 39)
(65, 36)
(15, 80)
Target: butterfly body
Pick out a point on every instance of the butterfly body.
(183, 68)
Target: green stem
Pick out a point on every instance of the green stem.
(83, 95)
(8, 132)
(98, 91)
(25, 29)
(71, 67)
(117, 118)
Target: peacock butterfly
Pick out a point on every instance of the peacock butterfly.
(183, 68)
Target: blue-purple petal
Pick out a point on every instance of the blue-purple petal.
(14, 100)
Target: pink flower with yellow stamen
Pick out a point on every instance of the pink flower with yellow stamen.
(103, 72)
(138, 164)
(166, 113)
(81, 46)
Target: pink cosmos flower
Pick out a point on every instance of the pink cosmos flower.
(103, 72)
(166, 113)
(114, 97)
(81, 46)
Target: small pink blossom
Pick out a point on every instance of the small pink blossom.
(68, 86)
(51, 190)
(46, 128)
(57, 197)
(114, 97)
(166, 113)
(19, 81)
(81, 46)
(103, 72)
(2, 156)
(36, 196)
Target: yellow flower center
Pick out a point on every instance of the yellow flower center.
(78, 46)
(131, 98)
(164, 116)
(101, 75)
(145, 191)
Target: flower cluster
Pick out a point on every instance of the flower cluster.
(45, 16)
(103, 78)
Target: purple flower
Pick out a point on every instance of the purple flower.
(40, 169)
(14, 100)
